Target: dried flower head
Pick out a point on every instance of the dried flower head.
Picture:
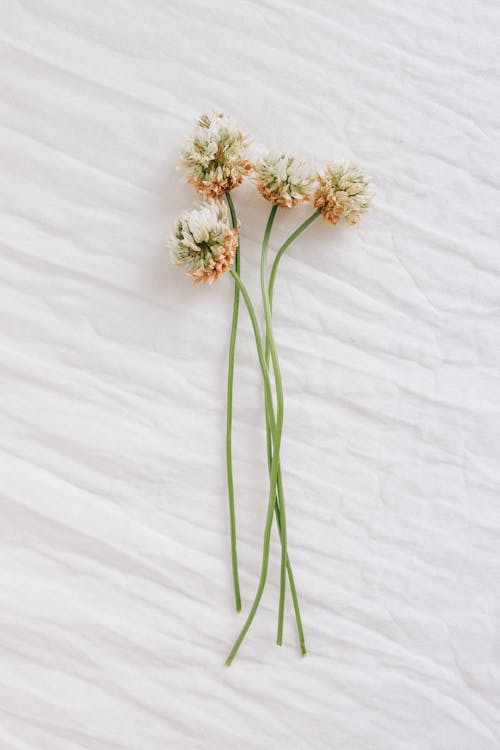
(343, 191)
(283, 180)
(215, 156)
(204, 242)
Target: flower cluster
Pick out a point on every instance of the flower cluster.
(216, 163)
(283, 180)
(215, 156)
(343, 191)
(204, 242)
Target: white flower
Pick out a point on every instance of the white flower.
(204, 242)
(343, 191)
(283, 180)
(215, 156)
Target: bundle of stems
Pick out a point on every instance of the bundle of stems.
(274, 427)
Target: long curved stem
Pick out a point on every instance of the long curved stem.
(279, 413)
(229, 419)
(280, 500)
(274, 471)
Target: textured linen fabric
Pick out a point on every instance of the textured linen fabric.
(116, 609)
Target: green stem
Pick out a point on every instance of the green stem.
(229, 418)
(274, 468)
(270, 426)
(283, 248)
(279, 414)
(291, 580)
(280, 499)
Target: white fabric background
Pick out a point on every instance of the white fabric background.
(115, 599)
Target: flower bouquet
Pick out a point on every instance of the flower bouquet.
(205, 242)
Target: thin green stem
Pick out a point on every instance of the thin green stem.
(279, 414)
(229, 418)
(279, 495)
(284, 247)
(280, 499)
(274, 470)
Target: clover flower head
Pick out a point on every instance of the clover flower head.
(283, 180)
(343, 191)
(215, 156)
(204, 242)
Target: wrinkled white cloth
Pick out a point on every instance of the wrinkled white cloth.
(116, 607)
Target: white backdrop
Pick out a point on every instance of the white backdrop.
(115, 599)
